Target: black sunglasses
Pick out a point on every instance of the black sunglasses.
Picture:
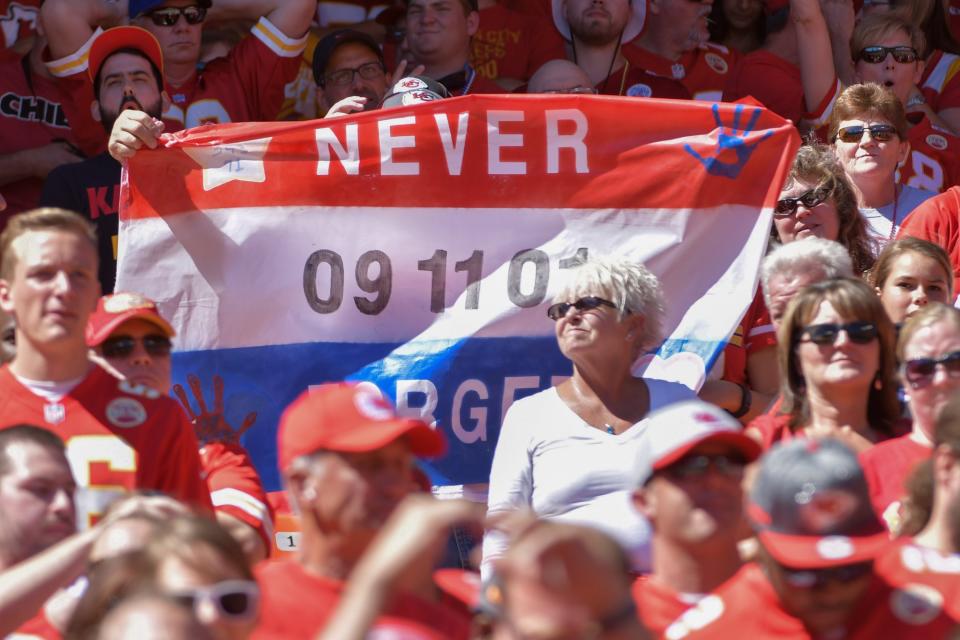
(919, 371)
(815, 578)
(786, 207)
(877, 54)
(824, 334)
(122, 346)
(879, 132)
(697, 466)
(168, 16)
(559, 310)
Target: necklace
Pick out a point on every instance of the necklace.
(609, 428)
(896, 203)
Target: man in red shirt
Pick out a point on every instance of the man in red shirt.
(510, 46)
(246, 85)
(814, 576)
(691, 492)
(347, 461)
(938, 220)
(119, 436)
(595, 32)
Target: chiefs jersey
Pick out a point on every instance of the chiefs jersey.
(702, 72)
(659, 605)
(118, 436)
(940, 82)
(907, 564)
(247, 85)
(235, 486)
(934, 160)
(18, 20)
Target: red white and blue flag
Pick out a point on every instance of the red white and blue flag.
(418, 247)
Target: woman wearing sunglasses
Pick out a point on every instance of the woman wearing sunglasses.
(868, 130)
(819, 201)
(888, 51)
(929, 355)
(836, 368)
(910, 274)
(570, 452)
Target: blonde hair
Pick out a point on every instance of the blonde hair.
(44, 219)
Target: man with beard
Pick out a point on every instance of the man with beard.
(595, 31)
(126, 67)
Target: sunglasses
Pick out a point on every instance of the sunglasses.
(879, 132)
(693, 467)
(815, 578)
(168, 16)
(234, 599)
(122, 346)
(919, 371)
(786, 207)
(826, 334)
(559, 310)
(343, 77)
(877, 54)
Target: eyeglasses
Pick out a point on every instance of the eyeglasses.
(168, 16)
(559, 310)
(919, 371)
(576, 90)
(824, 334)
(815, 578)
(343, 77)
(877, 54)
(879, 132)
(122, 346)
(234, 599)
(786, 207)
(697, 466)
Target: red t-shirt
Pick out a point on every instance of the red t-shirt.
(296, 604)
(245, 86)
(754, 333)
(746, 606)
(702, 72)
(934, 161)
(777, 84)
(119, 436)
(31, 116)
(938, 220)
(235, 486)
(18, 20)
(658, 605)
(906, 563)
(886, 466)
(940, 82)
(509, 44)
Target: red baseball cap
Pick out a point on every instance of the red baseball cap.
(117, 38)
(351, 418)
(116, 308)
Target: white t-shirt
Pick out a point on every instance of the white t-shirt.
(548, 459)
(880, 220)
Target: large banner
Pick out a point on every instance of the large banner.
(417, 248)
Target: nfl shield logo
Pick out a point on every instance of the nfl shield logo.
(54, 413)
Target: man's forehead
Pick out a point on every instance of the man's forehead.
(29, 458)
(351, 54)
(124, 62)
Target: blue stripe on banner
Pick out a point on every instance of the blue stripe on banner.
(463, 385)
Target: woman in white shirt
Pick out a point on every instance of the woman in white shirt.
(570, 452)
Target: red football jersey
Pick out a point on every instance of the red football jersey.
(509, 44)
(119, 436)
(906, 563)
(247, 85)
(934, 161)
(659, 605)
(755, 332)
(18, 20)
(296, 604)
(938, 220)
(886, 466)
(702, 72)
(940, 82)
(31, 116)
(235, 486)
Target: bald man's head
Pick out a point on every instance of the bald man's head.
(560, 76)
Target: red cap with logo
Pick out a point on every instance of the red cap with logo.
(118, 38)
(350, 418)
(116, 308)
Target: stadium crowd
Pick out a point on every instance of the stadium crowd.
(811, 489)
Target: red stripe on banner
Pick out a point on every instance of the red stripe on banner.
(593, 152)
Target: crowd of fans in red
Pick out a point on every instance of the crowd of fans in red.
(812, 490)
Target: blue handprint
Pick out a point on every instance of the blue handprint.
(735, 139)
